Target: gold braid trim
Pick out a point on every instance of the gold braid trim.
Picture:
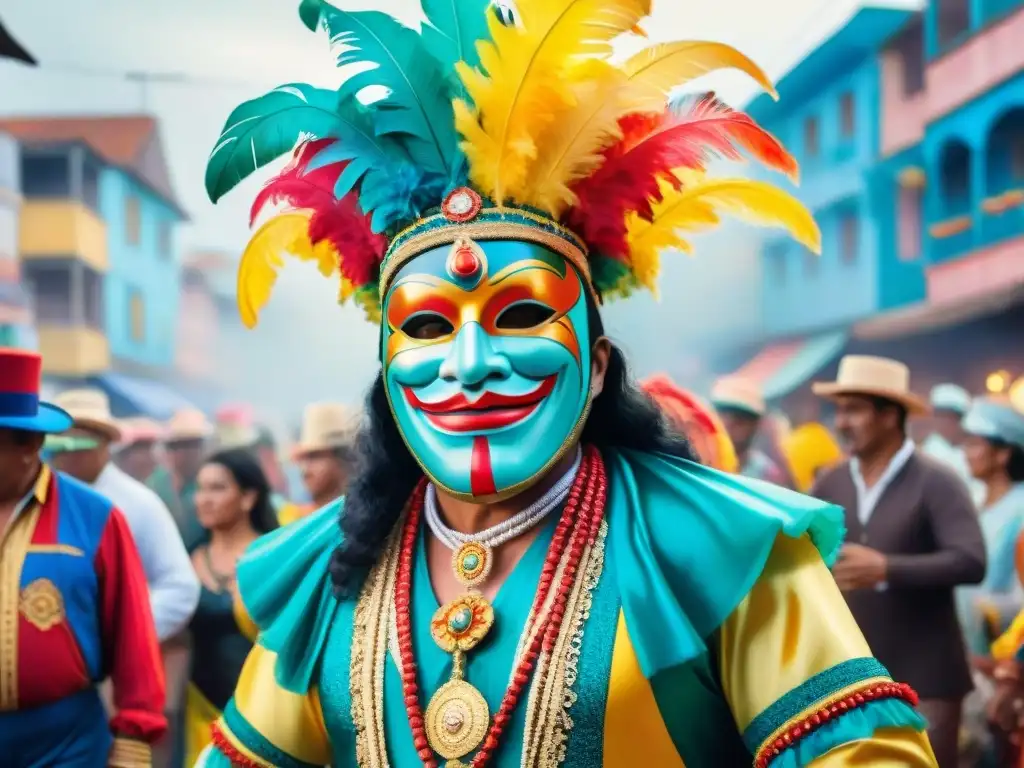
(369, 653)
(130, 753)
(13, 549)
(554, 689)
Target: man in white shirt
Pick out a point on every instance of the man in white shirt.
(945, 442)
(84, 453)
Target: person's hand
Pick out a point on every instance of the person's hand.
(986, 665)
(859, 567)
(1005, 710)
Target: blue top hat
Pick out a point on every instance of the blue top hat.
(21, 375)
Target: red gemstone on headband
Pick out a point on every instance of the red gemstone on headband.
(465, 262)
(461, 205)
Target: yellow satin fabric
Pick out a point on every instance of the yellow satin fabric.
(292, 723)
(793, 625)
(1006, 645)
(200, 714)
(631, 713)
(243, 621)
(289, 513)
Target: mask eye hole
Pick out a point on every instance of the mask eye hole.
(427, 326)
(523, 315)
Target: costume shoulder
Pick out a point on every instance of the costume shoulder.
(285, 587)
(689, 544)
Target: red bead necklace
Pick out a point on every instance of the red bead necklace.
(581, 517)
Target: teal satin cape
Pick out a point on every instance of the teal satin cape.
(688, 541)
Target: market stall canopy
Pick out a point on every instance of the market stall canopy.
(781, 368)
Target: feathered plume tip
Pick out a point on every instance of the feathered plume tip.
(523, 103)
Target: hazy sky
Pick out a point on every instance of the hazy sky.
(222, 52)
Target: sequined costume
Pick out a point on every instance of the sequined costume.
(508, 181)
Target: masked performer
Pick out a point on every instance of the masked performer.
(528, 570)
(696, 420)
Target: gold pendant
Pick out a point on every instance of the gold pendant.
(456, 720)
(472, 564)
(461, 624)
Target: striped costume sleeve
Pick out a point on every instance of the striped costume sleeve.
(265, 726)
(801, 681)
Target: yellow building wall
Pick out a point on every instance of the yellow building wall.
(55, 228)
(70, 351)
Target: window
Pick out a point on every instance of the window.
(1017, 157)
(849, 237)
(50, 286)
(847, 115)
(91, 184)
(164, 239)
(811, 137)
(908, 222)
(954, 21)
(909, 47)
(132, 220)
(136, 315)
(46, 175)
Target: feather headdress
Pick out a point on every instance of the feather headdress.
(496, 123)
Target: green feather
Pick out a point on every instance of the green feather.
(261, 130)
(418, 106)
(453, 29)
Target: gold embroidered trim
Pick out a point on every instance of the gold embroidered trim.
(369, 654)
(553, 692)
(130, 753)
(13, 549)
(55, 549)
(42, 604)
(484, 230)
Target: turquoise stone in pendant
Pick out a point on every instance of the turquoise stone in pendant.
(471, 561)
(460, 620)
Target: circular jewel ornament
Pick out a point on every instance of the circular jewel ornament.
(472, 564)
(456, 719)
(463, 623)
(461, 205)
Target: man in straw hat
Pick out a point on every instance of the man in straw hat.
(135, 453)
(323, 454)
(74, 604)
(742, 408)
(185, 442)
(84, 453)
(912, 536)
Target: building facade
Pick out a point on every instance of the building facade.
(97, 243)
(16, 325)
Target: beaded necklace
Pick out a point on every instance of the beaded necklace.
(457, 720)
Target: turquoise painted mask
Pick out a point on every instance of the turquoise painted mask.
(487, 363)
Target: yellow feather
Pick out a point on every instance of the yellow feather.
(264, 256)
(523, 86)
(695, 208)
(571, 147)
(666, 66)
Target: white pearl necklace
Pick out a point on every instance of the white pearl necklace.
(507, 530)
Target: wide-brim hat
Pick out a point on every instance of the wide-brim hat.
(139, 429)
(90, 410)
(187, 426)
(325, 427)
(736, 393)
(875, 377)
(21, 377)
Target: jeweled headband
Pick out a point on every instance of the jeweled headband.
(497, 123)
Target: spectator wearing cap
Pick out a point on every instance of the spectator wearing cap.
(135, 452)
(912, 538)
(323, 453)
(741, 407)
(74, 605)
(186, 438)
(84, 452)
(945, 442)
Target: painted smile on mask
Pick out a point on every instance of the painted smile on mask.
(487, 363)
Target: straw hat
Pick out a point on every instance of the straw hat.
(187, 425)
(139, 429)
(738, 394)
(90, 409)
(874, 376)
(326, 426)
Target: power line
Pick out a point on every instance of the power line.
(149, 76)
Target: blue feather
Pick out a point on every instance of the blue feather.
(399, 198)
(418, 106)
(453, 29)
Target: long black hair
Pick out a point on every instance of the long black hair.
(249, 476)
(386, 473)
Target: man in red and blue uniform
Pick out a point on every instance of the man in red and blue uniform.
(74, 606)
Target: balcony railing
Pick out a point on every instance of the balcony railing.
(951, 238)
(1004, 217)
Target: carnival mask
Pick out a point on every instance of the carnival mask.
(487, 363)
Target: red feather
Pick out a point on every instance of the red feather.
(342, 222)
(652, 147)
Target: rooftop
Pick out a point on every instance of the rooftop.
(131, 143)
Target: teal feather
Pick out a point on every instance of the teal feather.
(262, 130)
(418, 106)
(453, 29)
(395, 198)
